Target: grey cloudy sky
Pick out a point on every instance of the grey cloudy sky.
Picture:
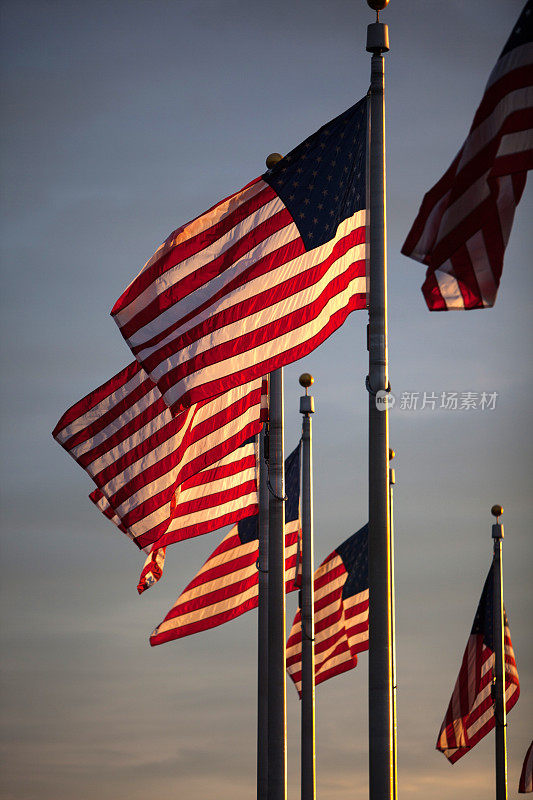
(122, 120)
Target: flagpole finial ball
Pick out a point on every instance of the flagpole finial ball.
(306, 380)
(377, 5)
(273, 159)
(496, 511)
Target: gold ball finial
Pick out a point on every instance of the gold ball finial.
(273, 159)
(496, 511)
(306, 380)
(377, 5)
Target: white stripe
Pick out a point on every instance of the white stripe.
(481, 266)
(518, 142)
(449, 288)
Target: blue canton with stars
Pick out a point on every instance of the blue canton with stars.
(354, 554)
(248, 526)
(322, 182)
(484, 619)
(522, 32)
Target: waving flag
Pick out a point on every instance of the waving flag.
(138, 454)
(260, 279)
(526, 778)
(217, 496)
(227, 584)
(470, 714)
(341, 613)
(465, 220)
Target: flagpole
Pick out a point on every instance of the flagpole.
(277, 739)
(308, 762)
(392, 482)
(499, 659)
(262, 623)
(380, 679)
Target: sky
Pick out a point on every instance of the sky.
(121, 121)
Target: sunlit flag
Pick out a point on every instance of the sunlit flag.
(217, 496)
(138, 454)
(260, 279)
(465, 220)
(227, 584)
(470, 714)
(341, 613)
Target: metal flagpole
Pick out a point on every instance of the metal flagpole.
(499, 659)
(277, 746)
(262, 623)
(308, 771)
(381, 749)
(392, 482)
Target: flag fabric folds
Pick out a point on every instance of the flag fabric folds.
(465, 220)
(341, 613)
(227, 584)
(138, 453)
(260, 279)
(470, 714)
(217, 496)
(525, 784)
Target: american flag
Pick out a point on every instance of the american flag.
(470, 714)
(465, 220)
(227, 584)
(138, 453)
(526, 777)
(217, 496)
(341, 613)
(260, 279)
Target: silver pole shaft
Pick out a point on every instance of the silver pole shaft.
(277, 739)
(499, 668)
(308, 758)
(381, 747)
(262, 628)
(392, 481)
